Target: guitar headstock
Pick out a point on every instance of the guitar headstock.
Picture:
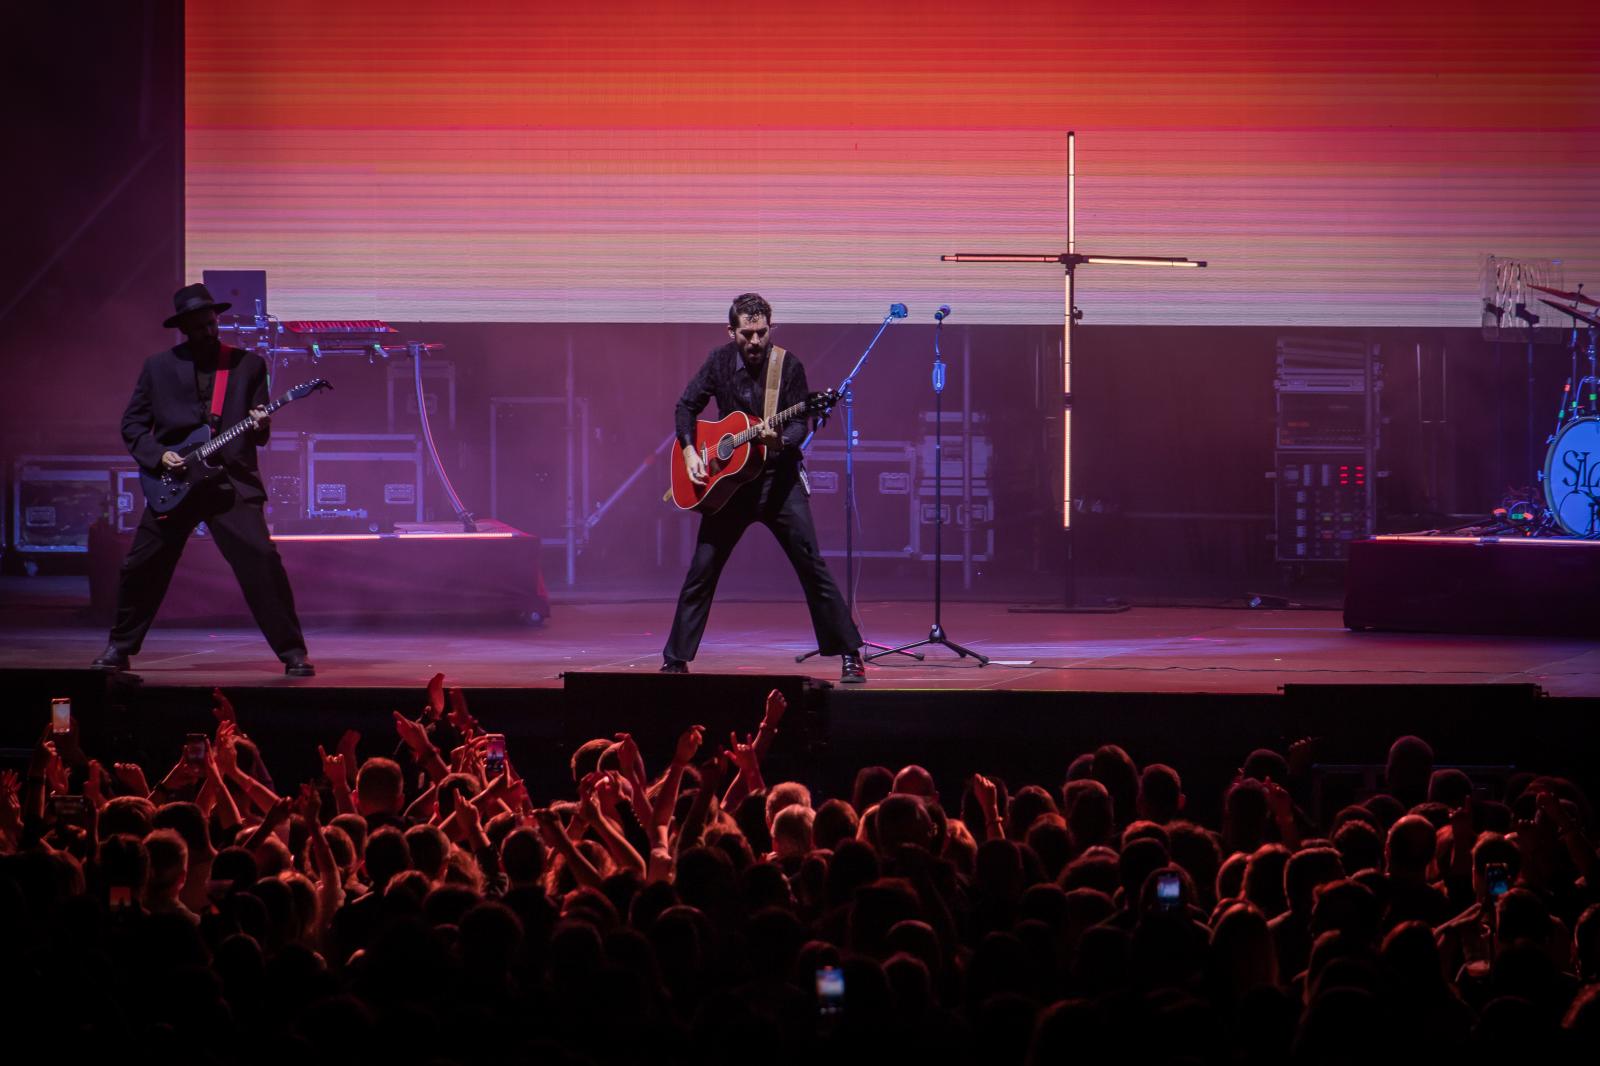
(306, 388)
(820, 403)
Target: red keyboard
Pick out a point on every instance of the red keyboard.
(340, 327)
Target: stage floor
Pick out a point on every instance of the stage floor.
(1145, 649)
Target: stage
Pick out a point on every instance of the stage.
(1146, 649)
(1171, 684)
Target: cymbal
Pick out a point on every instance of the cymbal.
(1570, 297)
(1573, 311)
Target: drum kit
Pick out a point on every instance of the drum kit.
(1570, 478)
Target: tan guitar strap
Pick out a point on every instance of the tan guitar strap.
(774, 382)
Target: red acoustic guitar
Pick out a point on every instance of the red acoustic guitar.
(732, 453)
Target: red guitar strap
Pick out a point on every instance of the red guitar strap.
(219, 387)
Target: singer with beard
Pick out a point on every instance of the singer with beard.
(735, 374)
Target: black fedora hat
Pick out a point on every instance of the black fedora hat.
(192, 298)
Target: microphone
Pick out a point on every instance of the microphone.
(939, 315)
(897, 310)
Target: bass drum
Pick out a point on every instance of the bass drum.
(1571, 477)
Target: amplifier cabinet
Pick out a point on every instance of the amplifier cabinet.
(1323, 502)
(959, 516)
(56, 498)
(438, 392)
(362, 476)
(886, 503)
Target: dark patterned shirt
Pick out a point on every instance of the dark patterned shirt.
(737, 388)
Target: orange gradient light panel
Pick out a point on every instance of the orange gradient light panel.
(526, 161)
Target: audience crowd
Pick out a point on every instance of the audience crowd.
(425, 907)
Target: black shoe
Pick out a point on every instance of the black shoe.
(674, 666)
(851, 670)
(295, 665)
(111, 660)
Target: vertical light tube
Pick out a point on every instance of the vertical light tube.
(1066, 333)
(1072, 192)
(1066, 407)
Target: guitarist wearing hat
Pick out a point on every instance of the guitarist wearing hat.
(737, 375)
(196, 383)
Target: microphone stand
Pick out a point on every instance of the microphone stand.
(847, 397)
(936, 633)
(1530, 463)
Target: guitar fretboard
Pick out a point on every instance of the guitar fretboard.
(223, 439)
(783, 417)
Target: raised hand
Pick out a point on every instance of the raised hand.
(1301, 754)
(743, 754)
(987, 795)
(461, 718)
(712, 773)
(413, 734)
(10, 803)
(547, 824)
(94, 785)
(226, 750)
(55, 770)
(275, 816)
(609, 790)
(308, 804)
(628, 756)
(688, 744)
(435, 704)
(347, 748)
(222, 707)
(181, 776)
(333, 768)
(470, 819)
(774, 711)
(1549, 805)
(131, 777)
(278, 813)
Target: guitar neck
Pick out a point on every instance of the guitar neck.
(777, 421)
(233, 433)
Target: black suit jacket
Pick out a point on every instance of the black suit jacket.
(165, 408)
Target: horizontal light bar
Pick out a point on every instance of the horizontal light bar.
(1064, 258)
(328, 538)
(975, 257)
(1532, 542)
(1142, 261)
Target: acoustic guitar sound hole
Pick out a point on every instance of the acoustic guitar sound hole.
(725, 448)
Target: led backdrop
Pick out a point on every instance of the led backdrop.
(516, 160)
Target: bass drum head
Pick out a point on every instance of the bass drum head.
(1572, 477)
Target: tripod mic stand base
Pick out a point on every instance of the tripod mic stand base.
(884, 649)
(935, 636)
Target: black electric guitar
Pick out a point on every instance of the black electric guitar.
(165, 489)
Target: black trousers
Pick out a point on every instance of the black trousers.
(239, 527)
(778, 501)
